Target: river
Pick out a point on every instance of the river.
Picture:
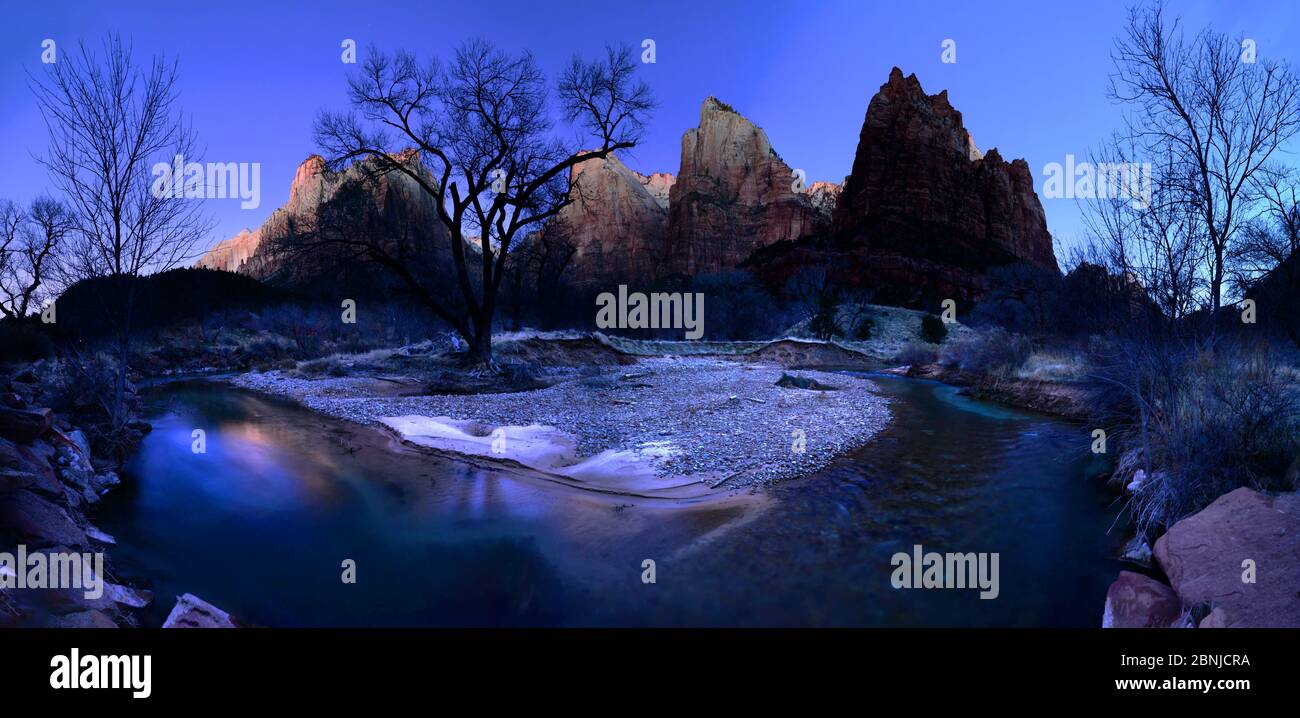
(260, 522)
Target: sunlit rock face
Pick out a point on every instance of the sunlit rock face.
(733, 194)
(658, 184)
(616, 223)
(390, 208)
(231, 254)
(824, 196)
(923, 215)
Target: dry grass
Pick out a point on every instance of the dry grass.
(1053, 367)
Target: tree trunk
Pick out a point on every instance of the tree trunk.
(479, 355)
(119, 418)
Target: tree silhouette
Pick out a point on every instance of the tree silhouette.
(482, 125)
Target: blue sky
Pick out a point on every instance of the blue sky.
(1030, 77)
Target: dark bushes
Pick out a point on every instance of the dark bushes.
(917, 353)
(1203, 419)
(994, 352)
(24, 340)
(933, 330)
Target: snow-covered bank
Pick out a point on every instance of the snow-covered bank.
(659, 427)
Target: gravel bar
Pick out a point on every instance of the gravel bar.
(713, 417)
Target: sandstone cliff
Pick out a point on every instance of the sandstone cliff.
(616, 223)
(929, 203)
(231, 254)
(733, 195)
(390, 207)
(924, 214)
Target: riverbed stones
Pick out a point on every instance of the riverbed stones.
(791, 381)
(767, 434)
(13, 479)
(191, 611)
(1138, 601)
(32, 459)
(1137, 551)
(1216, 619)
(1241, 556)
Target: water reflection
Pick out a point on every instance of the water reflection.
(261, 522)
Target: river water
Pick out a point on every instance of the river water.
(261, 521)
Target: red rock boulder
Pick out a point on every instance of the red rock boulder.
(1138, 601)
(1208, 558)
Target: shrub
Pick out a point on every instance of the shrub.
(917, 353)
(863, 329)
(83, 388)
(22, 341)
(1054, 366)
(824, 323)
(933, 330)
(995, 352)
(267, 347)
(1202, 420)
(739, 308)
(330, 365)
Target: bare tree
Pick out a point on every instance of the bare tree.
(483, 126)
(1153, 237)
(28, 243)
(13, 220)
(1212, 114)
(110, 121)
(1270, 241)
(353, 227)
(817, 297)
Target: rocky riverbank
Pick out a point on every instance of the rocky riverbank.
(56, 569)
(49, 486)
(1234, 564)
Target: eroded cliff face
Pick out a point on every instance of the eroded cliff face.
(924, 214)
(929, 204)
(733, 195)
(391, 209)
(616, 223)
(658, 184)
(231, 254)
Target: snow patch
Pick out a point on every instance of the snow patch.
(546, 449)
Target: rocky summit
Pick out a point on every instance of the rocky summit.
(924, 213)
(733, 195)
(923, 196)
